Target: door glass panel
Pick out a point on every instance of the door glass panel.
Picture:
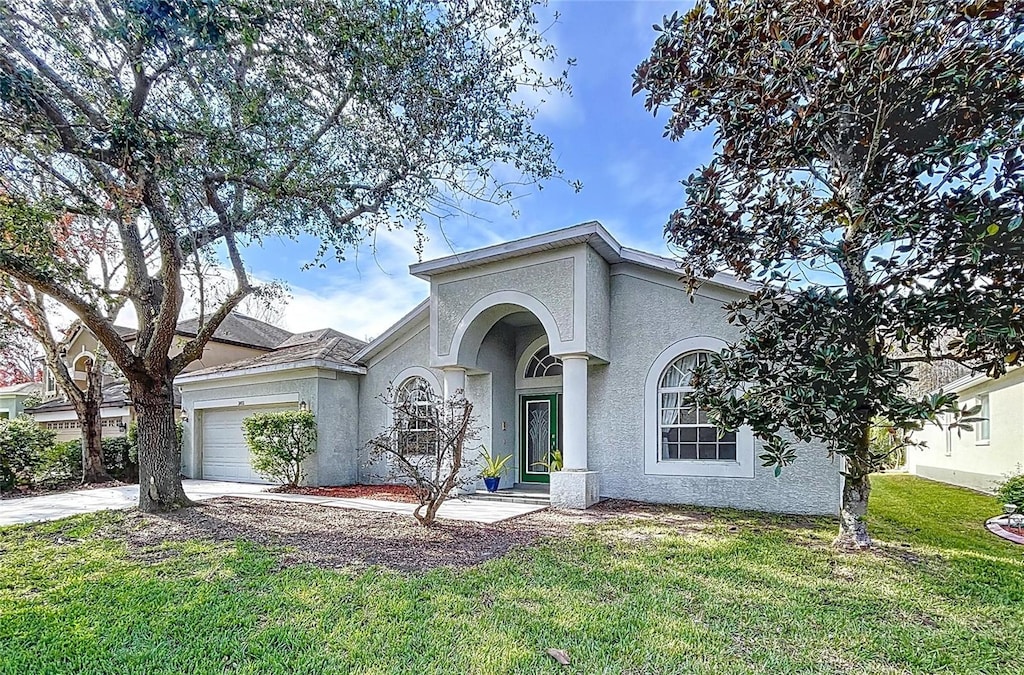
(538, 435)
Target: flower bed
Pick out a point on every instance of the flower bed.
(999, 527)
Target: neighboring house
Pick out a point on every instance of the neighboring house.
(565, 340)
(13, 397)
(238, 337)
(992, 451)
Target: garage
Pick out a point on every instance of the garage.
(225, 456)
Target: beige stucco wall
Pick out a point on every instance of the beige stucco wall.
(964, 460)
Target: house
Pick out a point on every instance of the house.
(13, 398)
(566, 340)
(238, 337)
(992, 451)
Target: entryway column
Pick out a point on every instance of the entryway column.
(575, 486)
(454, 381)
(574, 412)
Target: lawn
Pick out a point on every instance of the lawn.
(683, 592)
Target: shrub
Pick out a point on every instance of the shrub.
(22, 446)
(61, 462)
(1011, 491)
(279, 442)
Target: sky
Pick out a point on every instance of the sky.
(602, 136)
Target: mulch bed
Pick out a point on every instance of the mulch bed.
(352, 539)
(390, 493)
(998, 527)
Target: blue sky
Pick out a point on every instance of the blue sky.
(602, 136)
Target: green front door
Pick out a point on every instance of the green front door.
(539, 434)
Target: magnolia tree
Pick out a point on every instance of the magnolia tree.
(868, 169)
(424, 446)
(198, 128)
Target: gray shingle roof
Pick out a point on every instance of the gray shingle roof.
(322, 345)
(241, 329)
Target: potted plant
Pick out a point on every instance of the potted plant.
(492, 468)
(554, 463)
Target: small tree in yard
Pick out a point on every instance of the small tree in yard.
(23, 443)
(280, 442)
(424, 447)
(868, 169)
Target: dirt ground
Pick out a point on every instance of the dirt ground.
(347, 538)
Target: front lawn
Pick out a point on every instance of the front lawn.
(633, 591)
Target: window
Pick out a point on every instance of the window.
(543, 364)
(416, 405)
(684, 429)
(983, 430)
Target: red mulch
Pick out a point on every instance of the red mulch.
(390, 493)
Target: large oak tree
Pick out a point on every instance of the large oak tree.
(868, 169)
(200, 126)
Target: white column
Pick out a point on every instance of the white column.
(574, 412)
(454, 382)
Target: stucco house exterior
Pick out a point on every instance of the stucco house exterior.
(566, 340)
(993, 451)
(13, 398)
(237, 338)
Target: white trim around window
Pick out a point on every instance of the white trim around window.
(742, 467)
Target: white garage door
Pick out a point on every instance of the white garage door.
(225, 454)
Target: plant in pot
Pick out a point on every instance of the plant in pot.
(554, 462)
(492, 469)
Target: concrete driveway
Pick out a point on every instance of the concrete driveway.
(53, 507)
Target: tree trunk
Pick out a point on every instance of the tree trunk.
(93, 468)
(159, 453)
(88, 409)
(853, 531)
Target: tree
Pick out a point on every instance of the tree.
(17, 357)
(867, 168)
(424, 446)
(198, 127)
(280, 442)
(81, 243)
(22, 446)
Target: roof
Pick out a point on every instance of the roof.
(325, 348)
(22, 389)
(241, 330)
(114, 396)
(591, 232)
(396, 329)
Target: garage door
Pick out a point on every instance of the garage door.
(225, 454)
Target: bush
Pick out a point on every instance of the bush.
(22, 446)
(61, 462)
(279, 442)
(1011, 491)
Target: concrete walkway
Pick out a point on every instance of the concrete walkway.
(454, 509)
(54, 507)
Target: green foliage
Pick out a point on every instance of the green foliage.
(60, 462)
(23, 444)
(554, 462)
(1011, 491)
(869, 158)
(492, 467)
(279, 442)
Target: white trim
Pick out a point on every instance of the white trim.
(321, 364)
(671, 279)
(247, 402)
(592, 233)
(485, 303)
(64, 415)
(418, 371)
(239, 379)
(376, 344)
(524, 383)
(743, 467)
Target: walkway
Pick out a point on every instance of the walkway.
(469, 510)
(54, 507)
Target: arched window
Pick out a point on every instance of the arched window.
(416, 417)
(543, 364)
(684, 431)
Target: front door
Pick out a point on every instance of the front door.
(539, 434)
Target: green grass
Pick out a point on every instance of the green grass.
(942, 596)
